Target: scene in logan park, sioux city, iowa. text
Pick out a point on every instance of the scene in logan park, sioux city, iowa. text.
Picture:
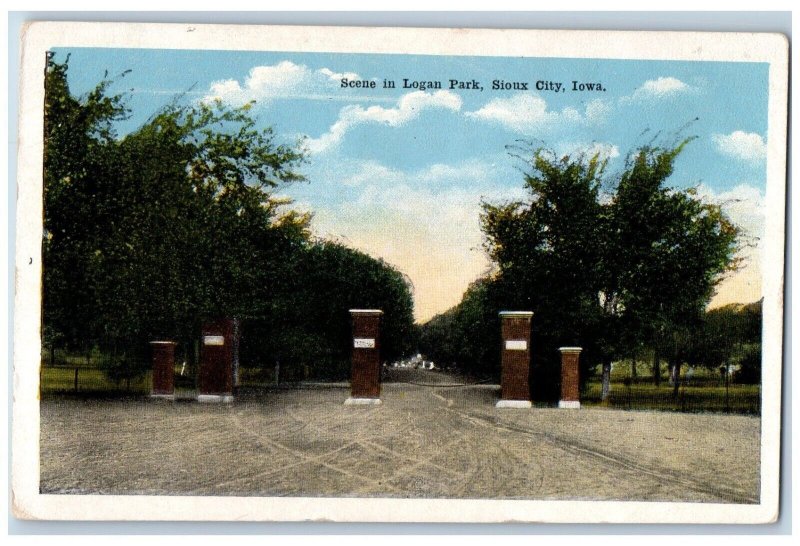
(510, 276)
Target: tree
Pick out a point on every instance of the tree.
(467, 335)
(607, 272)
(670, 250)
(149, 234)
(79, 151)
(728, 336)
(197, 227)
(549, 256)
(305, 325)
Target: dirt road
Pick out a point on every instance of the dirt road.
(423, 441)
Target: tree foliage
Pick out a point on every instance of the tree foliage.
(730, 337)
(607, 263)
(78, 158)
(466, 336)
(148, 234)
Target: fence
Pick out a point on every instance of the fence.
(66, 372)
(95, 373)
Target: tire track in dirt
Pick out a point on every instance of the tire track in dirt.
(415, 462)
(504, 451)
(304, 458)
(723, 492)
(369, 445)
(285, 467)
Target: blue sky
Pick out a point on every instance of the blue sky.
(400, 173)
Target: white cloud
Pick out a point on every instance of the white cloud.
(469, 173)
(660, 88)
(663, 86)
(337, 76)
(283, 80)
(408, 107)
(526, 112)
(422, 223)
(371, 172)
(597, 111)
(749, 147)
(744, 205)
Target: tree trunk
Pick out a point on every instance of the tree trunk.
(606, 379)
(634, 372)
(675, 377)
(656, 368)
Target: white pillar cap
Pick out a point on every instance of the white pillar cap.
(570, 349)
(366, 312)
(516, 314)
(163, 343)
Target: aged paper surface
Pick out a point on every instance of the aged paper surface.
(557, 87)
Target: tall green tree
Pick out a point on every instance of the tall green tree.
(612, 271)
(197, 224)
(467, 335)
(671, 249)
(549, 253)
(178, 221)
(79, 155)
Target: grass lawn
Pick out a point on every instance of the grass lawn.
(90, 380)
(741, 398)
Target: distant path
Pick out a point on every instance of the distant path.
(428, 378)
(436, 440)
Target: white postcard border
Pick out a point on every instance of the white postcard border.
(691, 46)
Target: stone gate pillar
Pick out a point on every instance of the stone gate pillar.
(365, 379)
(570, 378)
(215, 381)
(163, 369)
(515, 357)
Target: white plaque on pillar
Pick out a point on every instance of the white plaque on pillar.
(364, 343)
(213, 340)
(516, 345)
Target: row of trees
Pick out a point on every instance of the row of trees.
(148, 234)
(615, 264)
(730, 338)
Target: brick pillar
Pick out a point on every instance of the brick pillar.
(570, 378)
(365, 382)
(163, 369)
(215, 381)
(515, 357)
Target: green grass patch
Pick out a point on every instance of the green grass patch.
(90, 380)
(744, 399)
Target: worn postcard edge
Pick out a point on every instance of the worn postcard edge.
(28, 503)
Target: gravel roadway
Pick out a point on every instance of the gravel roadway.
(428, 439)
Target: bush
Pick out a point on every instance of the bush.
(749, 371)
(125, 368)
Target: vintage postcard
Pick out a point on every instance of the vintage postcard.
(396, 274)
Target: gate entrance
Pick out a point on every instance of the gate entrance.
(217, 377)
